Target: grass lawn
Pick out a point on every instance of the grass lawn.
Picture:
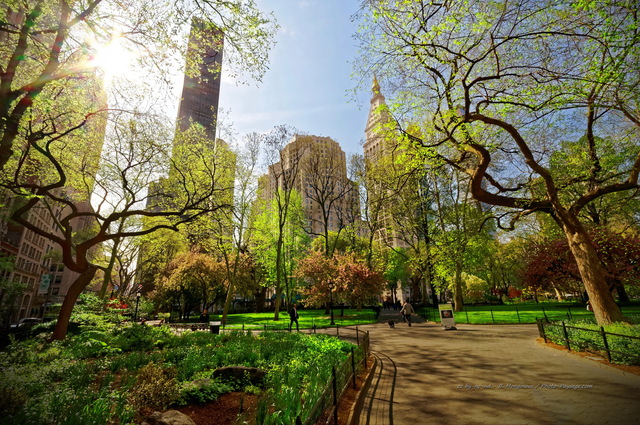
(521, 313)
(308, 319)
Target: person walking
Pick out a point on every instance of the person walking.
(293, 317)
(407, 311)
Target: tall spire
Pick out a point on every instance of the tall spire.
(376, 86)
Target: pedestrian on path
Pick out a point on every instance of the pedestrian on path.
(293, 316)
(406, 312)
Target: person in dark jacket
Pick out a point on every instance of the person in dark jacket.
(204, 316)
(293, 316)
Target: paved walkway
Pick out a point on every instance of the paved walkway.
(489, 374)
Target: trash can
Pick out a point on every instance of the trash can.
(215, 327)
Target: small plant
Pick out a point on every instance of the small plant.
(155, 387)
(12, 399)
(203, 390)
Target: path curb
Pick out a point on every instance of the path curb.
(356, 409)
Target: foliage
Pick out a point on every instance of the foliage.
(353, 281)
(10, 289)
(195, 276)
(551, 265)
(203, 390)
(91, 312)
(293, 240)
(499, 89)
(155, 387)
(139, 337)
(475, 289)
(57, 383)
(585, 334)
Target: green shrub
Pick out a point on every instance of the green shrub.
(203, 390)
(155, 387)
(12, 398)
(139, 337)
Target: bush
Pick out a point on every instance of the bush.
(156, 387)
(139, 337)
(203, 390)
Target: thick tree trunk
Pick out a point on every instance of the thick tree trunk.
(76, 288)
(593, 277)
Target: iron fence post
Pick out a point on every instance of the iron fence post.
(335, 396)
(566, 336)
(518, 313)
(606, 343)
(353, 366)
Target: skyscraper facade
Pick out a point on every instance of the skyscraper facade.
(317, 169)
(380, 148)
(201, 89)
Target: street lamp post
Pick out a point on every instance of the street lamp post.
(135, 315)
(331, 302)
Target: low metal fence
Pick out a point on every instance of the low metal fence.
(517, 315)
(597, 342)
(342, 376)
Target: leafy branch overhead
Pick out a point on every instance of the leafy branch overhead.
(529, 98)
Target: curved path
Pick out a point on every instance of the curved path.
(489, 374)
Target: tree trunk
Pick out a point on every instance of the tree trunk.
(261, 297)
(457, 290)
(76, 288)
(618, 286)
(227, 302)
(434, 295)
(558, 294)
(593, 276)
(276, 315)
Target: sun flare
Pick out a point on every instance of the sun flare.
(113, 58)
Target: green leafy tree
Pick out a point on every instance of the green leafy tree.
(284, 165)
(499, 87)
(197, 279)
(48, 44)
(137, 153)
(295, 242)
(53, 118)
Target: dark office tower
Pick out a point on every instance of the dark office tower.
(201, 90)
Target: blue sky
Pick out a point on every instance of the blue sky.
(309, 84)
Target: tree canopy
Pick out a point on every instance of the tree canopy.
(499, 87)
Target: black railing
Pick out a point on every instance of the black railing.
(515, 316)
(342, 376)
(597, 342)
